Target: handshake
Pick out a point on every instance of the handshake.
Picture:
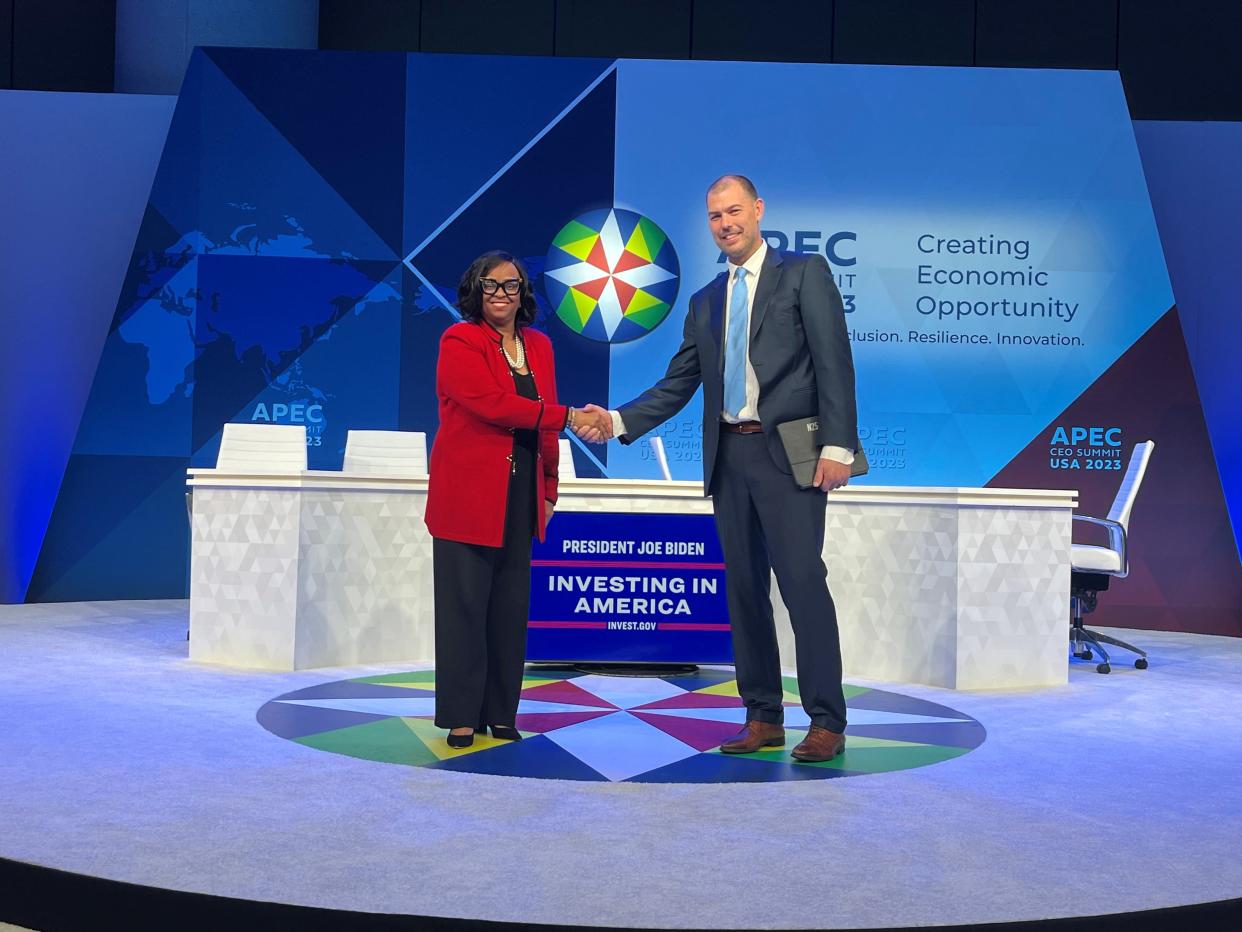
(592, 424)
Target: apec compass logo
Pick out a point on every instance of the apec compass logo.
(611, 275)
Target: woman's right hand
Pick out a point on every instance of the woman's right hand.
(593, 424)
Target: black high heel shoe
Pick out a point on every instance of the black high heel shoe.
(506, 733)
(460, 741)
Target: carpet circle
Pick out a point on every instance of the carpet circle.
(585, 726)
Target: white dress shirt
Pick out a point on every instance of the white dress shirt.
(750, 411)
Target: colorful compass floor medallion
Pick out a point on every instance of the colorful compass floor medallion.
(613, 728)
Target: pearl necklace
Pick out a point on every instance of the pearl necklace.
(520, 362)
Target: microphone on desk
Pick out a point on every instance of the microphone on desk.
(657, 447)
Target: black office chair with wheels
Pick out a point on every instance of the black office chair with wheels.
(1091, 567)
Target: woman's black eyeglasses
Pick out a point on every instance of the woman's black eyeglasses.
(510, 286)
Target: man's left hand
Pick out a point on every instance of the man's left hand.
(829, 475)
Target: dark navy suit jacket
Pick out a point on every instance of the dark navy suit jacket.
(799, 348)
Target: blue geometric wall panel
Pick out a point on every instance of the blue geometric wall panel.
(361, 155)
(119, 531)
(1196, 192)
(467, 117)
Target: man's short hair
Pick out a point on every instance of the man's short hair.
(724, 180)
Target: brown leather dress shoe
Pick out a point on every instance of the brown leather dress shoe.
(755, 736)
(820, 744)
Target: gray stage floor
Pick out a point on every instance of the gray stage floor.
(120, 758)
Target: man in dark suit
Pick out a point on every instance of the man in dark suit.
(767, 341)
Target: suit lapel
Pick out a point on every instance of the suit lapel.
(769, 278)
(715, 320)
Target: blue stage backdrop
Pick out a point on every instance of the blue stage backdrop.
(991, 231)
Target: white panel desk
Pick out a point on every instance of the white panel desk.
(960, 588)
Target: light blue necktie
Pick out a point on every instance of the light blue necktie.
(735, 347)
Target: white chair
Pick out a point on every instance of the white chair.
(386, 453)
(565, 469)
(1091, 567)
(263, 448)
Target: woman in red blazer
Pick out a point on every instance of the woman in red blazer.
(492, 487)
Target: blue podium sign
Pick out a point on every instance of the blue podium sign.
(620, 588)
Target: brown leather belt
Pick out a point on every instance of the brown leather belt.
(742, 427)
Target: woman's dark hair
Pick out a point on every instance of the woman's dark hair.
(470, 293)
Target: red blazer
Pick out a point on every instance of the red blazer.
(469, 469)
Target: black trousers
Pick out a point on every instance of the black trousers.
(482, 606)
(767, 524)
